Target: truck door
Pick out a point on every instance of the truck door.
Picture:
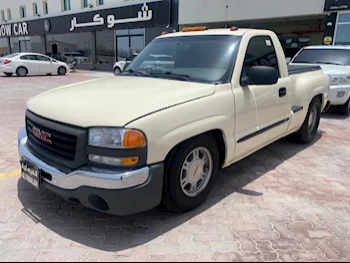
(270, 100)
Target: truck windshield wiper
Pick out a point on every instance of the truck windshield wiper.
(178, 76)
(328, 63)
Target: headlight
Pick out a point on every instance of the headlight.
(116, 138)
(339, 80)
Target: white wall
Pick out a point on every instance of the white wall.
(55, 7)
(208, 11)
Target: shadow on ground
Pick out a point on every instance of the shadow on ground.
(333, 113)
(111, 233)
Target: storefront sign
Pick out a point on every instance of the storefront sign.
(17, 29)
(145, 15)
(336, 5)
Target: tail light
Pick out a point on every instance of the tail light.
(7, 61)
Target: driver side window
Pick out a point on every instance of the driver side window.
(260, 52)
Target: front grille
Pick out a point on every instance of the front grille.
(63, 145)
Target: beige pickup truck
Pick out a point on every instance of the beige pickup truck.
(188, 105)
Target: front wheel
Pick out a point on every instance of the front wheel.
(62, 71)
(190, 174)
(117, 71)
(308, 131)
(345, 109)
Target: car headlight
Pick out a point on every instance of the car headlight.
(116, 138)
(339, 80)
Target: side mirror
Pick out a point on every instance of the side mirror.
(288, 60)
(260, 75)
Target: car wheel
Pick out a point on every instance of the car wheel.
(117, 71)
(308, 131)
(62, 71)
(190, 174)
(345, 109)
(9, 74)
(22, 72)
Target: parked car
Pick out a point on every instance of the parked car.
(23, 64)
(122, 145)
(335, 62)
(119, 66)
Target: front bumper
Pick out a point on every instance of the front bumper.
(335, 92)
(115, 193)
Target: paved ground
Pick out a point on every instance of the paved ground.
(285, 203)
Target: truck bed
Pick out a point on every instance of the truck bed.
(297, 69)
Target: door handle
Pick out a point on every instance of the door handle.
(282, 92)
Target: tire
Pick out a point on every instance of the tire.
(178, 197)
(345, 109)
(8, 74)
(308, 131)
(117, 71)
(61, 71)
(22, 72)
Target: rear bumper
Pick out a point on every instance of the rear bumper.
(339, 95)
(121, 193)
(6, 69)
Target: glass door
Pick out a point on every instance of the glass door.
(128, 42)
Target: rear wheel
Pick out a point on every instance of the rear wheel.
(310, 126)
(345, 109)
(22, 72)
(8, 74)
(62, 71)
(190, 173)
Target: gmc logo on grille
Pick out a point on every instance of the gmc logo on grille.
(41, 135)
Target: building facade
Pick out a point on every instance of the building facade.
(95, 33)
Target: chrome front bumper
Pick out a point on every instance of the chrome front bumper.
(81, 178)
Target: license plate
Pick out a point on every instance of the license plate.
(31, 174)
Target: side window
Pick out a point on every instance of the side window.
(260, 52)
(41, 58)
(28, 57)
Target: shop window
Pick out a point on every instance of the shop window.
(105, 47)
(35, 9)
(2, 16)
(100, 2)
(4, 47)
(85, 3)
(9, 15)
(129, 42)
(71, 47)
(45, 8)
(342, 36)
(23, 12)
(66, 5)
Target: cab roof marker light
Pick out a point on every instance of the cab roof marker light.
(194, 29)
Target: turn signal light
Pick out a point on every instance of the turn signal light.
(7, 61)
(193, 29)
(134, 139)
(164, 33)
(130, 161)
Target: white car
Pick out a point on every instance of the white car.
(335, 62)
(23, 64)
(119, 66)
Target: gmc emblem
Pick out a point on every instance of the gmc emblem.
(41, 135)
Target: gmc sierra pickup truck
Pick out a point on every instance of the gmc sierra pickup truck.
(160, 132)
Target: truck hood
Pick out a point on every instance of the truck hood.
(114, 101)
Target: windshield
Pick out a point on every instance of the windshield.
(208, 59)
(324, 56)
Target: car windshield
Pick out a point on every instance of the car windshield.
(205, 59)
(324, 56)
(12, 55)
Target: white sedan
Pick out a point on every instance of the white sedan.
(23, 64)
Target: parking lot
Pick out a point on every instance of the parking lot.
(288, 202)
